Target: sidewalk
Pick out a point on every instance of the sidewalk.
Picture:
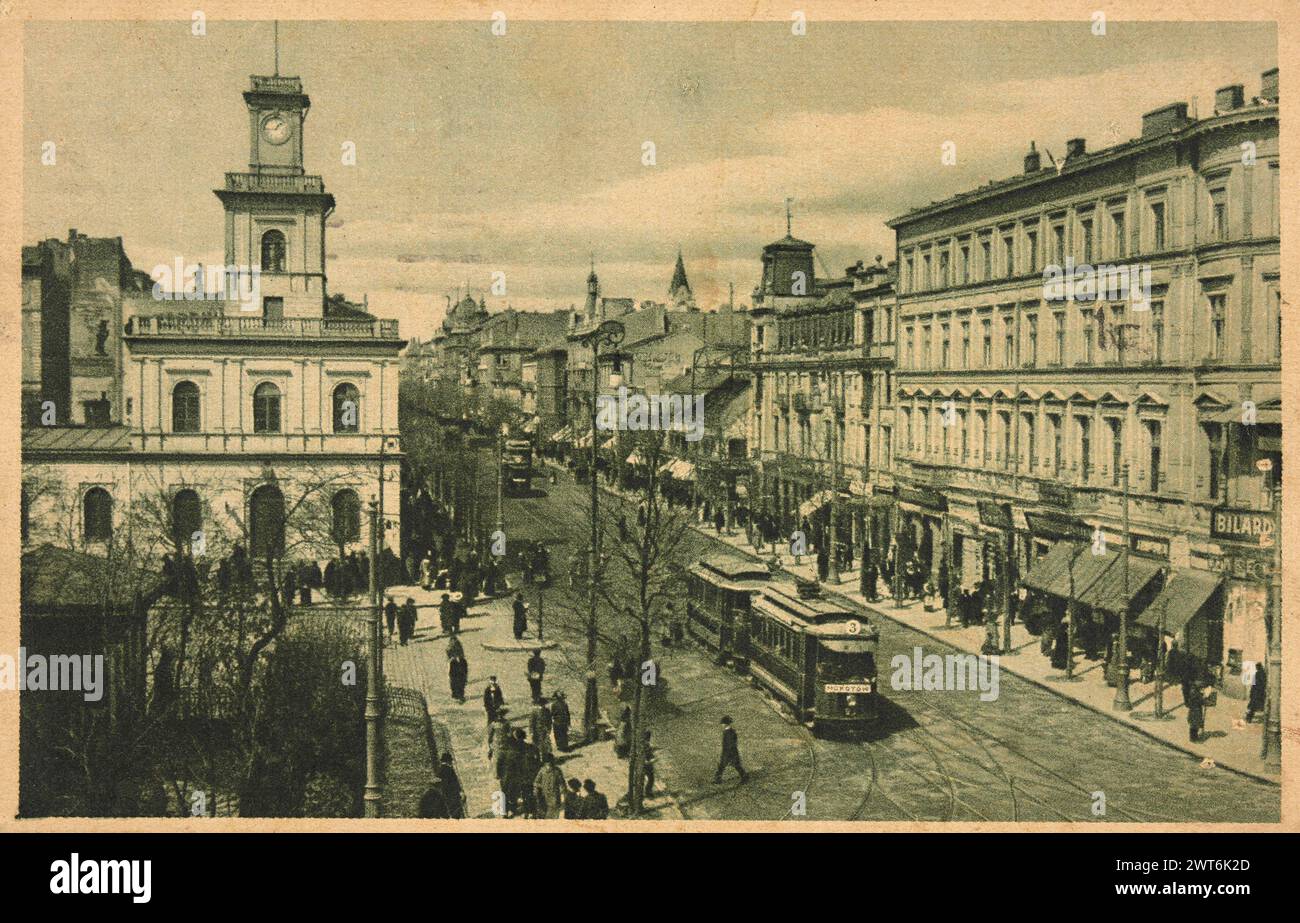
(1227, 740)
(491, 649)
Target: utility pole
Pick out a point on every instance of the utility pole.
(832, 568)
(609, 334)
(1122, 702)
(374, 793)
(501, 479)
(1271, 746)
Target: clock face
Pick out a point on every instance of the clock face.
(276, 129)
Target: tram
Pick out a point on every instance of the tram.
(517, 465)
(719, 590)
(817, 657)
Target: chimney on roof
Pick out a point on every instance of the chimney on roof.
(1166, 118)
(1268, 84)
(1075, 147)
(1228, 98)
(1033, 160)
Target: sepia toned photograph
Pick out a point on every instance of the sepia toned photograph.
(646, 423)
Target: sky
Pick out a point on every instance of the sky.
(523, 153)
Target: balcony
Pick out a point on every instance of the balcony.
(219, 325)
(801, 403)
(270, 182)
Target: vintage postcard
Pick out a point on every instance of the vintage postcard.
(589, 417)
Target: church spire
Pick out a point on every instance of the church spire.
(679, 290)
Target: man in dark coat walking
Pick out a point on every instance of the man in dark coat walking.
(560, 721)
(406, 621)
(730, 752)
(493, 699)
(390, 615)
(536, 671)
(521, 617)
(457, 676)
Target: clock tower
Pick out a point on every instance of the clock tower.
(276, 213)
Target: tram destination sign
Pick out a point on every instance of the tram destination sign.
(1242, 525)
(858, 688)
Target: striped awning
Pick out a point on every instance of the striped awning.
(1183, 597)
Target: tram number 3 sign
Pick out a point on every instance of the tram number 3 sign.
(860, 688)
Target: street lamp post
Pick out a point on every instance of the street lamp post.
(501, 478)
(374, 792)
(1122, 702)
(1272, 743)
(609, 334)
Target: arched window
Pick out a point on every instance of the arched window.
(347, 409)
(187, 517)
(97, 508)
(266, 522)
(266, 408)
(347, 517)
(185, 408)
(273, 251)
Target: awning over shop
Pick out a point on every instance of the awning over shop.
(563, 434)
(814, 503)
(1069, 570)
(583, 441)
(1183, 597)
(609, 443)
(1043, 572)
(1107, 593)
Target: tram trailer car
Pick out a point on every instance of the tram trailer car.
(518, 464)
(719, 591)
(817, 657)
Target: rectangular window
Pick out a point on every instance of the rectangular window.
(909, 359)
(987, 248)
(965, 445)
(943, 268)
(1116, 450)
(1009, 342)
(1157, 331)
(965, 344)
(1153, 446)
(944, 345)
(1009, 256)
(1217, 319)
(1057, 447)
(925, 272)
(1032, 358)
(1004, 421)
(1119, 234)
(1085, 229)
(1158, 226)
(1214, 439)
(1085, 448)
(1058, 244)
(925, 347)
(987, 326)
(1088, 333)
(909, 277)
(982, 421)
(1031, 239)
(1219, 213)
(1059, 320)
(906, 441)
(1028, 441)
(965, 265)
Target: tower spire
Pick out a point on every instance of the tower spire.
(788, 202)
(276, 27)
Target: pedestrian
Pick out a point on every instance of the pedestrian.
(521, 616)
(453, 796)
(548, 789)
(1258, 693)
(573, 800)
(1194, 699)
(454, 647)
(457, 611)
(823, 562)
(406, 621)
(730, 752)
(622, 528)
(623, 734)
(390, 616)
(594, 805)
(539, 726)
(432, 804)
(520, 787)
(536, 670)
(560, 720)
(426, 573)
(290, 585)
(719, 520)
(648, 764)
(457, 676)
(446, 613)
(494, 699)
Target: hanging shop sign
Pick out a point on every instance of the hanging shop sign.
(1241, 525)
